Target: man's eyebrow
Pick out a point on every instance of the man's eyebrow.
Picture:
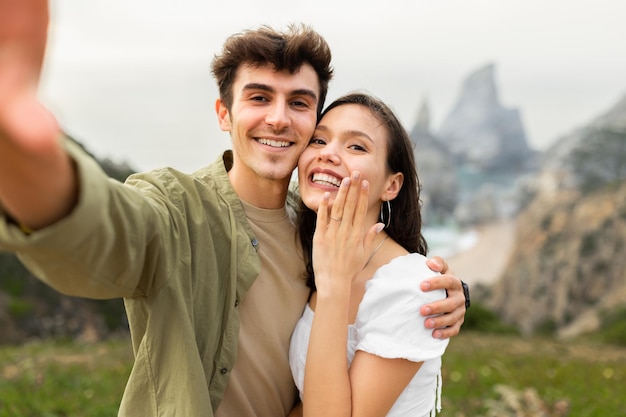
(305, 92)
(269, 89)
(258, 86)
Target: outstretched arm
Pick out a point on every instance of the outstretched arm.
(37, 178)
(450, 311)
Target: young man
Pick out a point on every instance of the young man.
(207, 263)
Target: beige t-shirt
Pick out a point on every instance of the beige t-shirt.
(261, 384)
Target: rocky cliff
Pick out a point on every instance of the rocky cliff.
(568, 266)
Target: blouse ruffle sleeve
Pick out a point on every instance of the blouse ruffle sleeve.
(388, 322)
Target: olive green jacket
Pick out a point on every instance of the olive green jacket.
(179, 250)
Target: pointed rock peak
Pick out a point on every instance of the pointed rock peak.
(481, 85)
(480, 131)
(423, 116)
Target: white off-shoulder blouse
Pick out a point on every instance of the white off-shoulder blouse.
(389, 324)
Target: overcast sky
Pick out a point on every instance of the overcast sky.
(131, 80)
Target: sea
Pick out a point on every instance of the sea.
(448, 240)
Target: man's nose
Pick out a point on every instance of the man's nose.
(278, 115)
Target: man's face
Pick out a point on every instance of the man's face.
(272, 118)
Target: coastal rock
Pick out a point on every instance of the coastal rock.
(567, 262)
(435, 165)
(480, 131)
(592, 149)
(567, 267)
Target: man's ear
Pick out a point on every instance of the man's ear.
(223, 115)
(394, 185)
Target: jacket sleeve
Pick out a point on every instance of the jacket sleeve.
(109, 246)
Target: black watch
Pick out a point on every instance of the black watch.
(466, 294)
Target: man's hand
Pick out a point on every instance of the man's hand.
(37, 179)
(451, 311)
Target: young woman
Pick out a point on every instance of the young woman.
(360, 226)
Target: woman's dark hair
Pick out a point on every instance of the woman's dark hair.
(405, 226)
(288, 50)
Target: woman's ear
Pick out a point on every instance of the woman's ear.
(394, 185)
(223, 115)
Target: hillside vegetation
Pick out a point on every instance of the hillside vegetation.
(484, 375)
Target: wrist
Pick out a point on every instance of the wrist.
(333, 291)
(466, 293)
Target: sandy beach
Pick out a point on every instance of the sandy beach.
(486, 259)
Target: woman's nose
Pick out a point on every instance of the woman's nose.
(329, 154)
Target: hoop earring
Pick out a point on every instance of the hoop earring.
(382, 217)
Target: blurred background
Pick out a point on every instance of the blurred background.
(517, 110)
(131, 78)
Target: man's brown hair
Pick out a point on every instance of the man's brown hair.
(287, 50)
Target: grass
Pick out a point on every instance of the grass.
(500, 375)
(58, 379)
(484, 375)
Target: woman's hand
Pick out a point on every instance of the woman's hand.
(341, 244)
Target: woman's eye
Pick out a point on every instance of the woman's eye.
(357, 147)
(316, 141)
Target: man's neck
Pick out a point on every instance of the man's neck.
(260, 192)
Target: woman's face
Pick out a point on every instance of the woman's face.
(348, 138)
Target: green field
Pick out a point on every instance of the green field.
(54, 379)
(484, 375)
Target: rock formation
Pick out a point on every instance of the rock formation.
(435, 168)
(568, 265)
(480, 131)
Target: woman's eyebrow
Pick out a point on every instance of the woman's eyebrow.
(348, 133)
